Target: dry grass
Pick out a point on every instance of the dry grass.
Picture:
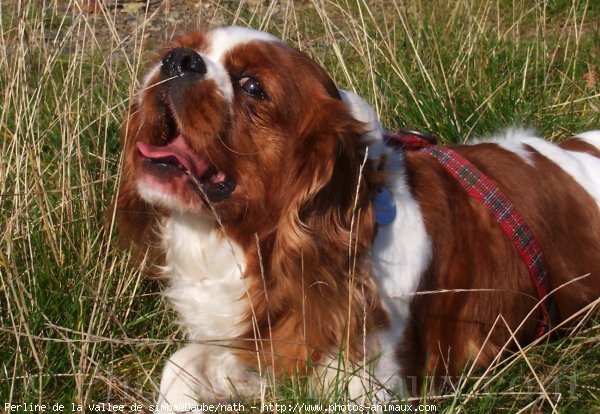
(78, 325)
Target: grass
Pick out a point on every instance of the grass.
(79, 325)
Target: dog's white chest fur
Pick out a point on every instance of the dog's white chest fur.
(206, 278)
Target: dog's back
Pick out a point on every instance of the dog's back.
(484, 286)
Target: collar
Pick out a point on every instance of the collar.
(403, 140)
(410, 140)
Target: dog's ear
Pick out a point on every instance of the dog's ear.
(323, 239)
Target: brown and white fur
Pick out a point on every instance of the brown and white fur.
(249, 177)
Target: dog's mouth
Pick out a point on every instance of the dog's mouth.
(176, 161)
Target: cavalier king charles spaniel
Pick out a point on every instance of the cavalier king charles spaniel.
(252, 181)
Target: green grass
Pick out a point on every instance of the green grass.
(80, 325)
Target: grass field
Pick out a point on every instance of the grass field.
(78, 325)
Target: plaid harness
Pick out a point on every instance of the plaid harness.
(482, 189)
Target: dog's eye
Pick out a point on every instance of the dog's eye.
(252, 87)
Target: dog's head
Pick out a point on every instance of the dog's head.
(236, 123)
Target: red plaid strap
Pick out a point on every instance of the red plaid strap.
(480, 188)
(409, 140)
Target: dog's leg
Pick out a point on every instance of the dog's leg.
(180, 382)
(201, 373)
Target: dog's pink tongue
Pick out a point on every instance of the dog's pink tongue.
(178, 149)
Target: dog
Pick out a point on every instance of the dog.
(256, 184)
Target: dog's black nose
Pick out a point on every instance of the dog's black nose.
(181, 61)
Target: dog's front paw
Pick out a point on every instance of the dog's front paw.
(179, 385)
(198, 374)
(177, 395)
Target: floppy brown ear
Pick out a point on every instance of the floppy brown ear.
(329, 226)
(317, 262)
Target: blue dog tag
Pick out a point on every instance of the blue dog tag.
(385, 207)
